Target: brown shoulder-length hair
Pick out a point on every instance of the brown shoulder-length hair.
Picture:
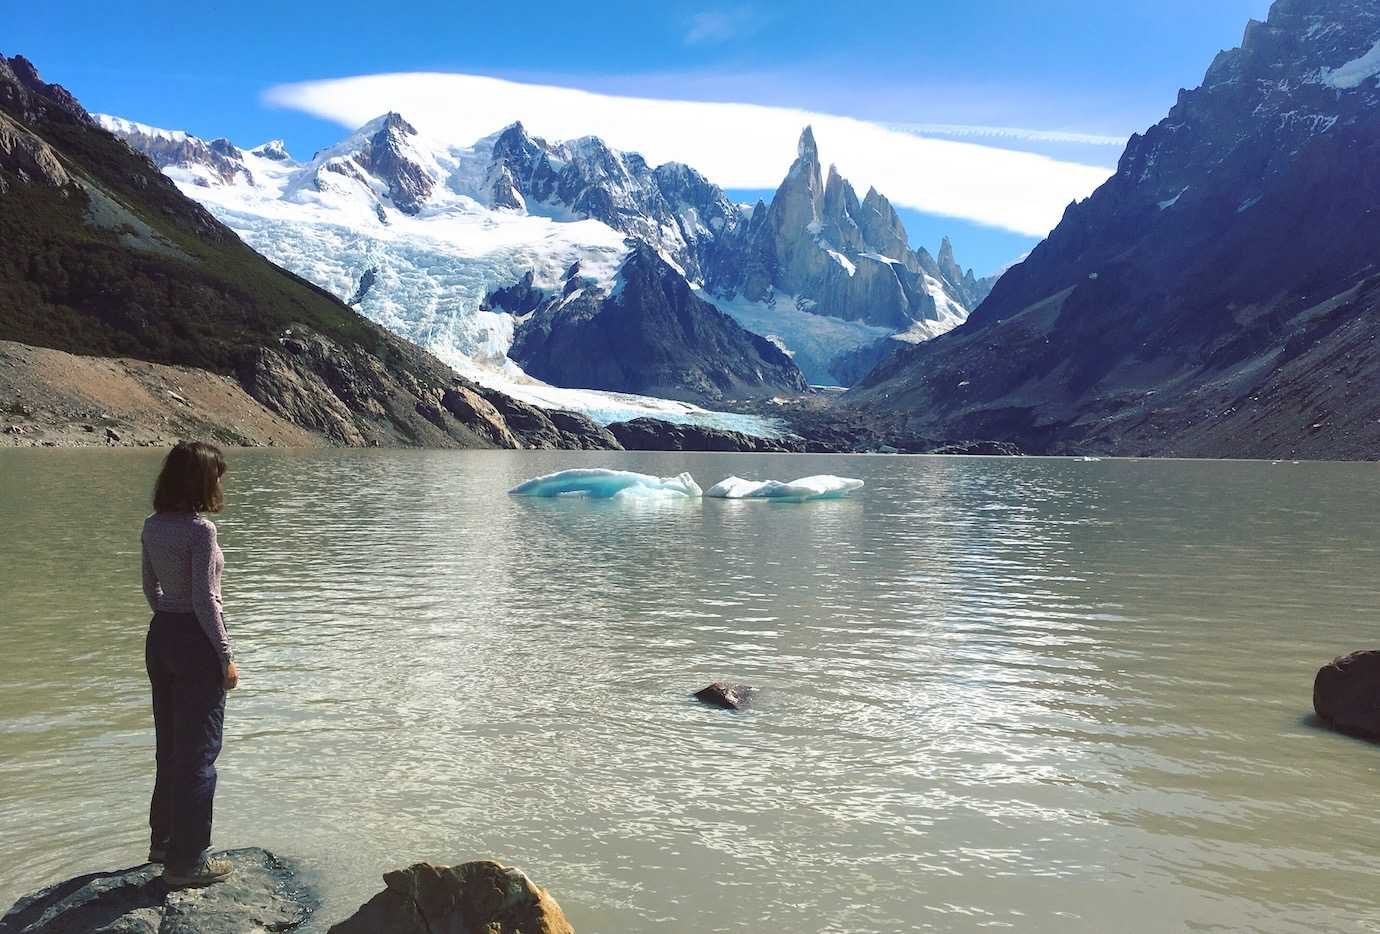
(190, 479)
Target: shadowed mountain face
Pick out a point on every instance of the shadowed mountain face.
(650, 333)
(1218, 296)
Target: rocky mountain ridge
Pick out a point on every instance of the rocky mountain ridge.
(101, 255)
(1219, 295)
(862, 288)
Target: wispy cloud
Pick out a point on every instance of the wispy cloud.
(735, 145)
(1009, 133)
(721, 25)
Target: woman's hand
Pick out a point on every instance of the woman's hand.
(232, 677)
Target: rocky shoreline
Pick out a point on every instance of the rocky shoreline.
(267, 893)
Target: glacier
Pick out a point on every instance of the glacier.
(603, 483)
(430, 271)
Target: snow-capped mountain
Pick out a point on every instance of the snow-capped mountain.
(416, 232)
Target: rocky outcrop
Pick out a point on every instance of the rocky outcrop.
(472, 898)
(27, 160)
(387, 156)
(980, 449)
(220, 160)
(549, 428)
(1346, 694)
(351, 397)
(725, 695)
(262, 895)
(1218, 296)
(652, 434)
(839, 256)
(651, 334)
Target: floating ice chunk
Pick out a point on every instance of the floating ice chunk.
(599, 483)
(823, 486)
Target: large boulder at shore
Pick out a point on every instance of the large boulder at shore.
(262, 895)
(473, 898)
(1346, 693)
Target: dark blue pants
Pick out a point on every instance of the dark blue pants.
(188, 716)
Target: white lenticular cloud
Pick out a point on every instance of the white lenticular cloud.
(734, 145)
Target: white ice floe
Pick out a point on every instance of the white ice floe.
(600, 483)
(823, 486)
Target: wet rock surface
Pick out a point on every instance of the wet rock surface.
(263, 894)
(473, 898)
(1346, 694)
(726, 695)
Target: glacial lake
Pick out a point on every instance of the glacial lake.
(1036, 695)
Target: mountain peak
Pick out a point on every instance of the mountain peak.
(394, 121)
(806, 148)
(274, 149)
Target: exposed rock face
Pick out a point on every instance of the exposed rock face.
(1346, 694)
(262, 895)
(1217, 296)
(725, 695)
(388, 156)
(27, 159)
(841, 257)
(649, 334)
(981, 449)
(672, 206)
(549, 428)
(275, 150)
(219, 158)
(517, 299)
(472, 898)
(651, 434)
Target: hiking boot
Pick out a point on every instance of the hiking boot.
(207, 872)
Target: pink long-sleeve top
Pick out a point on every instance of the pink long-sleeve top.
(182, 568)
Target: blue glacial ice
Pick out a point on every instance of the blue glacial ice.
(599, 483)
(823, 486)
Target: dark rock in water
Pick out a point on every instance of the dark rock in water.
(981, 449)
(473, 898)
(1346, 694)
(653, 434)
(262, 894)
(725, 695)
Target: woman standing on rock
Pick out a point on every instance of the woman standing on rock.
(189, 659)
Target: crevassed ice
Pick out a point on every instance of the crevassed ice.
(601, 483)
(432, 273)
(822, 486)
(814, 340)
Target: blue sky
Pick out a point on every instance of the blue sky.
(1084, 66)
